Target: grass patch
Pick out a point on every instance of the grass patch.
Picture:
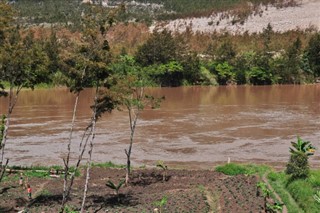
(108, 165)
(278, 181)
(237, 169)
(297, 194)
(314, 178)
(302, 191)
(42, 171)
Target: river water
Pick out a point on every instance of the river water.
(195, 126)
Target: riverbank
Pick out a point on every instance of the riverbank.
(227, 188)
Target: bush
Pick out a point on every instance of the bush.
(298, 166)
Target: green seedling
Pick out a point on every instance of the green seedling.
(161, 203)
(115, 187)
(274, 208)
(265, 191)
(164, 168)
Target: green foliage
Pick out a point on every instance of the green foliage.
(164, 168)
(161, 165)
(66, 12)
(316, 197)
(115, 187)
(302, 191)
(69, 209)
(226, 52)
(264, 189)
(24, 62)
(108, 165)
(257, 76)
(313, 50)
(274, 208)
(234, 169)
(314, 178)
(161, 203)
(279, 182)
(170, 74)
(191, 68)
(6, 21)
(298, 165)
(160, 48)
(302, 146)
(225, 73)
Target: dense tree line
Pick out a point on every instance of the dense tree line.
(167, 61)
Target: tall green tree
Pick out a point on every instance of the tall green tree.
(313, 53)
(86, 64)
(226, 52)
(292, 72)
(23, 64)
(160, 48)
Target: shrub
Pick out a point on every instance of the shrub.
(298, 166)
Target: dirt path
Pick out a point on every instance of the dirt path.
(264, 178)
(40, 188)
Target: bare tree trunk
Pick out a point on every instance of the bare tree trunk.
(12, 103)
(4, 169)
(133, 118)
(81, 152)
(94, 121)
(66, 161)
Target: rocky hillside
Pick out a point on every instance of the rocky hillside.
(303, 15)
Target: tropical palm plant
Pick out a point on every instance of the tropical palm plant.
(298, 165)
(302, 146)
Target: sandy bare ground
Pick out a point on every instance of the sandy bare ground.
(305, 15)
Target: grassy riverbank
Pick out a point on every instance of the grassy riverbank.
(229, 187)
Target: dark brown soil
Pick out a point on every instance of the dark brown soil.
(186, 191)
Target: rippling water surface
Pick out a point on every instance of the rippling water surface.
(194, 125)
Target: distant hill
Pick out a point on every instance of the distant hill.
(303, 15)
(177, 15)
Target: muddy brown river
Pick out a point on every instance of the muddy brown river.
(195, 126)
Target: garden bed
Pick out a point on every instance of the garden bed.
(183, 191)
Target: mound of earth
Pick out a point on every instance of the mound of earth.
(185, 190)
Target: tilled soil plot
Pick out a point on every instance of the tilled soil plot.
(183, 191)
